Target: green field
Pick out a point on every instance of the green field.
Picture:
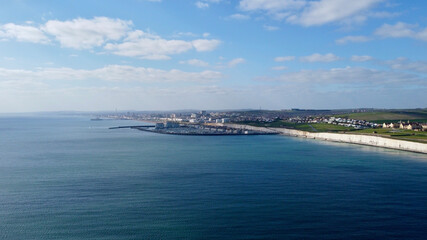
(401, 134)
(389, 116)
(325, 127)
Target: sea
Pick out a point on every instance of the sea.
(66, 177)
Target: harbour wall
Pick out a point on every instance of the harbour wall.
(346, 138)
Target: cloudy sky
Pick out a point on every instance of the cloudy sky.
(212, 54)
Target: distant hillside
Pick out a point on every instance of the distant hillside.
(390, 115)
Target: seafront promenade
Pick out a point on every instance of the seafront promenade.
(344, 137)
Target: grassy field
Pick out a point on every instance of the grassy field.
(401, 134)
(325, 127)
(389, 116)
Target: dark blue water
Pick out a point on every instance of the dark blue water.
(71, 178)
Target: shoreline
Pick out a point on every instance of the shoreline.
(360, 139)
(367, 140)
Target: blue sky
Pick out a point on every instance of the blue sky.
(212, 54)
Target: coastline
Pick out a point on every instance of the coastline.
(375, 141)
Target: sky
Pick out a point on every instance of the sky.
(74, 55)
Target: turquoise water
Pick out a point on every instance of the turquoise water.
(71, 178)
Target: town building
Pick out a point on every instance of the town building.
(171, 124)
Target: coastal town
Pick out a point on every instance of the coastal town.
(356, 124)
(217, 122)
(404, 129)
(293, 115)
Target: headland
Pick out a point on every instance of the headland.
(402, 129)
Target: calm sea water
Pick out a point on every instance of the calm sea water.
(71, 178)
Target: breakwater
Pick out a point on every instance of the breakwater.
(140, 126)
(345, 138)
(200, 130)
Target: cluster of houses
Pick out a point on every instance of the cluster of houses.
(294, 115)
(415, 126)
(196, 118)
(201, 117)
(220, 116)
(347, 122)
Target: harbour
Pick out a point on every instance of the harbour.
(196, 129)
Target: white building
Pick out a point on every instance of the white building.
(225, 120)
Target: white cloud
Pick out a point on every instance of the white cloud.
(348, 39)
(329, 88)
(204, 45)
(398, 30)
(284, 59)
(235, 62)
(271, 28)
(22, 33)
(206, 34)
(9, 58)
(183, 34)
(407, 65)
(195, 62)
(202, 5)
(281, 95)
(384, 14)
(270, 5)
(316, 57)
(314, 12)
(117, 73)
(153, 47)
(230, 64)
(401, 30)
(149, 48)
(353, 76)
(137, 34)
(239, 16)
(206, 3)
(83, 33)
(363, 58)
(279, 68)
(422, 35)
(327, 11)
(114, 35)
